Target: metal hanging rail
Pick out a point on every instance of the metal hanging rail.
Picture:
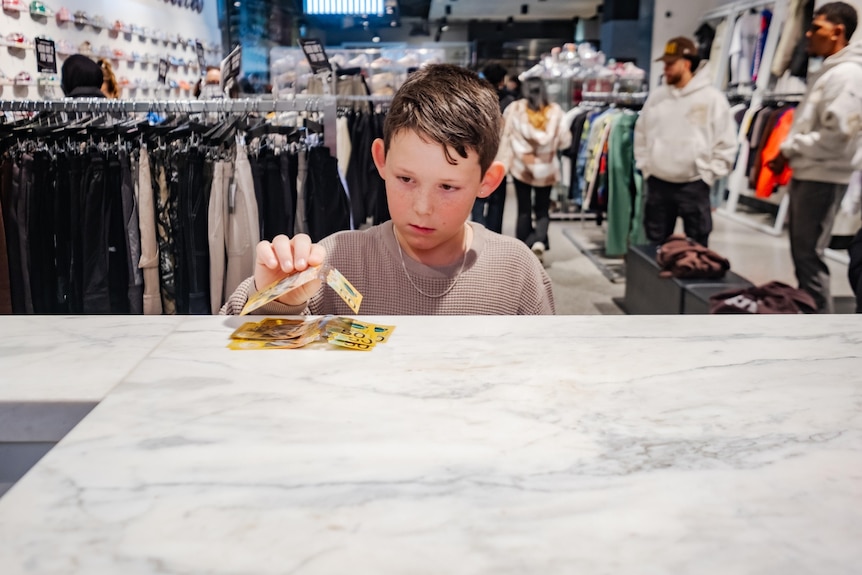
(324, 104)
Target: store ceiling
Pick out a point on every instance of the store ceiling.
(461, 10)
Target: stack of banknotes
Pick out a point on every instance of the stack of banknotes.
(281, 333)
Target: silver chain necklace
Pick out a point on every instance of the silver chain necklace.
(416, 287)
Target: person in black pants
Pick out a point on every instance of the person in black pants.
(685, 140)
(489, 211)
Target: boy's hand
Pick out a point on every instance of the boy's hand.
(285, 256)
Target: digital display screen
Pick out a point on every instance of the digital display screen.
(334, 7)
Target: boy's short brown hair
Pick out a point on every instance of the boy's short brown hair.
(451, 106)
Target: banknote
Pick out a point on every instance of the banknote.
(328, 274)
(278, 288)
(285, 333)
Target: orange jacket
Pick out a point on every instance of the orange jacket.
(768, 181)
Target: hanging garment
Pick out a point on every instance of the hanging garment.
(5, 279)
(243, 231)
(625, 189)
(715, 55)
(743, 44)
(767, 180)
(327, 205)
(63, 229)
(96, 297)
(135, 292)
(194, 183)
(792, 31)
(161, 169)
(149, 260)
(40, 231)
(217, 221)
(765, 20)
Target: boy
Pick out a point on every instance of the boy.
(437, 156)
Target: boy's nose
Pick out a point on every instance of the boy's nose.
(423, 201)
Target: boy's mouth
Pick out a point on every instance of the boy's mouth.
(420, 229)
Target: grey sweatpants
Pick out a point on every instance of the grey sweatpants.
(813, 206)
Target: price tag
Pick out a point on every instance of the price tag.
(46, 56)
(202, 61)
(230, 67)
(163, 71)
(315, 54)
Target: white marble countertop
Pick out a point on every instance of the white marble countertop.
(683, 444)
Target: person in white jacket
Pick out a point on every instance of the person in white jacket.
(534, 131)
(685, 140)
(824, 146)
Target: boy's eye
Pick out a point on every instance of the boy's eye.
(447, 187)
(405, 179)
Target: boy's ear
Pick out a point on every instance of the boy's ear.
(378, 154)
(492, 178)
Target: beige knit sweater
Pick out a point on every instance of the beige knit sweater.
(501, 277)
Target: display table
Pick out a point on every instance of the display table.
(577, 444)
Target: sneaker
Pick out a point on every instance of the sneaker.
(65, 48)
(63, 15)
(23, 79)
(539, 249)
(14, 5)
(81, 18)
(39, 9)
(17, 40)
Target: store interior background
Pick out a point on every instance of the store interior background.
(516, 33)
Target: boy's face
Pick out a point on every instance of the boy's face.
(429, 198)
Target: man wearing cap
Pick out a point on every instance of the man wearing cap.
(685, 139)
(824, 147)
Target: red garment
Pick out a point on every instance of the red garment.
(767, 181)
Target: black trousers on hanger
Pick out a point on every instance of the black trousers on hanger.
(12, 188)
(77, 164)
(118, 239)
(95, 236)
(63, 229)
(327, 207)
(191, 234)
(6, 280)
(41, 226)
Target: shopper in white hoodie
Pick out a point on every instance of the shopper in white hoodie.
(824, 146)
(685, 140)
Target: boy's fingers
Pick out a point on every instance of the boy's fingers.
(317, 255)
(301, 251)
(265, 255)
(284, 252)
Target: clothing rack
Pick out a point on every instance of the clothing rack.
(737, 180)
(324, 104)
(774, 97)
(618, 98)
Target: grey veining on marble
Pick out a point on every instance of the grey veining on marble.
(62, 358)
(465, 445)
